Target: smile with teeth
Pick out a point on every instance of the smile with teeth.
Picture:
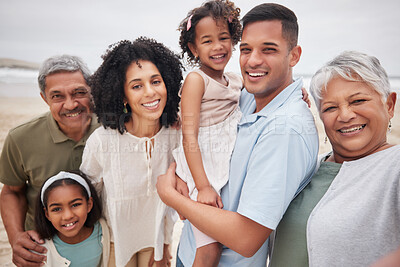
(218, 56)
(70, 115)
(152, 104)
(357, 128)
(257, 74)
(69, 224)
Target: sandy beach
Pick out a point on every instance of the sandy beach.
(14, 111)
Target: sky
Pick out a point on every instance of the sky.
(36, 30)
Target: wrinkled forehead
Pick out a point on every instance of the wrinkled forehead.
(64, 80)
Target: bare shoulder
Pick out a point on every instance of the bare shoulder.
(195, 76)
(194, 82)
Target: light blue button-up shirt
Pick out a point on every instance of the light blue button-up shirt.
(275, 154)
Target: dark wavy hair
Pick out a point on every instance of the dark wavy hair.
(107, 83)
(217, 9)
(44, 227)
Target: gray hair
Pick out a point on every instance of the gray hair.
(351, 66)
(63, 63)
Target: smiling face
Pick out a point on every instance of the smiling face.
(67, 210)
(68, 97)
(266, 61)
(213, 45)
(145, 92)
(355, 118)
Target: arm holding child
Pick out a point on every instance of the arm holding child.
(249, 235)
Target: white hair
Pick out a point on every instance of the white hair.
(63, 63)
(351, 66)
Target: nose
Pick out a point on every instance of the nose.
(149, 90)
(70, 103)
(254, 59)
(67, 214)
(346, 114)
(217, 45)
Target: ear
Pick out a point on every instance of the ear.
(193, 49)
(44, 98)
(391, 103)
(89, 204)
(294, 55)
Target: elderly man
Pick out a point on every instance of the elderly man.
(275, 152)
(40, 148)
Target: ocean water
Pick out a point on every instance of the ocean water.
(18, 83)
(23, 83)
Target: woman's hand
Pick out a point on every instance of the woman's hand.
(207, 195)
(165, 261)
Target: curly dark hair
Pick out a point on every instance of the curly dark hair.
(107, 83)
(44, 227)
(217, 9)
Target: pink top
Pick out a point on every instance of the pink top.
(219, 101)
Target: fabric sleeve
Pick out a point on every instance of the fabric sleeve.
(273, 176)
(237, 79)
(170, 218)
(11, 164)
(91, 163)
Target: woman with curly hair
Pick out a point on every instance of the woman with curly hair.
(135, 93)
(210, 113)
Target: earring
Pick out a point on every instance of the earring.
(390, 126)
(325, 139)
(124, 110)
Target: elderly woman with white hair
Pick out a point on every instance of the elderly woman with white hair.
(349, 214)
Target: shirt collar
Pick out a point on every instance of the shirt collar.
(281, 98)
(278, 101)
(58, 136)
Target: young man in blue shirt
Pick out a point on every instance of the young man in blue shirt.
(275, 152)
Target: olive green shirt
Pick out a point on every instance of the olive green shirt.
(35, 151)
(290, 244)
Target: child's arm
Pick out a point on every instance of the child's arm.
(192, 93)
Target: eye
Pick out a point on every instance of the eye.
(56, 96)
(76, 204)
(206, 42)
(327, 109)
(81, 93)
(156, 82)
(137, 86)
(358, 101)
(268, 50)
(245, 50)
(55, 209)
